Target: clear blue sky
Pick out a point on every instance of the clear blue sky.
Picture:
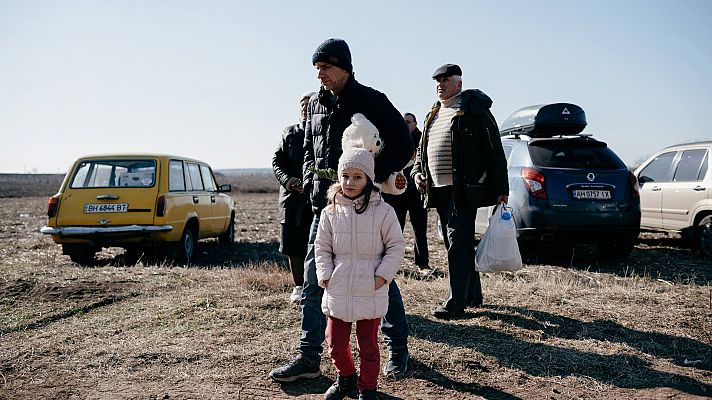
(219, 80)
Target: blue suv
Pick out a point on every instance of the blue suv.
(565, 185)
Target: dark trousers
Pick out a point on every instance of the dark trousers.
(410, 202)
(394, 325)
(458, 227)
(338, 336)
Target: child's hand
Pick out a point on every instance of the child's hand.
(326, 283)
(379, 282)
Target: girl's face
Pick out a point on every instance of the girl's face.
(353, 181)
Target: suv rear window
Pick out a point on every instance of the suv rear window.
(574, 153)
(115, 173)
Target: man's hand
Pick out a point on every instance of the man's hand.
(379, 282)
(502, 198)
(326, 283)
(420, 182)
(294, 185)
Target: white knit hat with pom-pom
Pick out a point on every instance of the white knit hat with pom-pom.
(357, 157)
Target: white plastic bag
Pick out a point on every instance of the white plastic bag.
(498, 250)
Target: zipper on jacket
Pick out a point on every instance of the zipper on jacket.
(350, 294)
(455, 159)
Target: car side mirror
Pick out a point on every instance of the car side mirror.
(225, 188)
(644, 179)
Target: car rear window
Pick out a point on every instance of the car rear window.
(574, 153)
(114, 173)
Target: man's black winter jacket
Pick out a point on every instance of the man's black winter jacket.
(328, 116)
(287, 162)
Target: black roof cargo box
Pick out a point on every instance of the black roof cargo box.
(545, 120)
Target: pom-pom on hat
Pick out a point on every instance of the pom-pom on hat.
(335, 52)
(357, 157)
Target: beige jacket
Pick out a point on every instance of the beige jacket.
(351, 250)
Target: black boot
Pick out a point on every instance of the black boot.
(368, 395)
(344, 386)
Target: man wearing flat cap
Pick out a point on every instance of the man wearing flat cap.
(460, 166)
(328, 114)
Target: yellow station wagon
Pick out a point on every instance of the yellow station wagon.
(137, 201)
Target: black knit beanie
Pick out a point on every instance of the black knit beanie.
(335, 52)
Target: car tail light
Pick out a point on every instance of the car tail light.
(161, 207)
(534, 181)
(52, 206)
(634, 186)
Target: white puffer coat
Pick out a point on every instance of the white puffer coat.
(351, 250)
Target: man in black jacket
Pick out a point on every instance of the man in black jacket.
(294, 209)
(460, 166)
(329, 113)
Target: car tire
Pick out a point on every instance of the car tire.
(703, 236)
(80, 254)
(619, 249)
(133, 255)
(187, 247)
(228, 237)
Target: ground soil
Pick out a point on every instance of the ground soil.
(570, 325)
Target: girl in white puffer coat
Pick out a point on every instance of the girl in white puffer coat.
(359, 248)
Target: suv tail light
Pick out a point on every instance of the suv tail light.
(534, 181)
(634, 186)
(161, 206)
(52, 206)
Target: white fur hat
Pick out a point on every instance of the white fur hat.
(357, 157)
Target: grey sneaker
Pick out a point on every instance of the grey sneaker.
(298, 368)
(296, 296)
(397, 365)
(427, 273)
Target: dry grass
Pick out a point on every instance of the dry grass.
(568, 327)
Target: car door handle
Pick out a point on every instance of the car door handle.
(655, 189)
(107, 197)
(196, 199)
(212, 199)
(699, 188)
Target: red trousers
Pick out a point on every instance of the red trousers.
(338, 336)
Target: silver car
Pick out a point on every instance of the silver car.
(676, 193)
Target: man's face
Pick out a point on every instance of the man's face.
(446, 87)
(303, 108)
(332, 78)
(410, 122)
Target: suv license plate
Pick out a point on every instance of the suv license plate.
(592, 194)
(106, 208)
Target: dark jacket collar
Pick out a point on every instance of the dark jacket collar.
(331, 102)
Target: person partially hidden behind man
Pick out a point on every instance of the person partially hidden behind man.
(411, 203)
(294, 208)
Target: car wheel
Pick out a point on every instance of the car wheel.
(188, 246)
(617, 249)
(228, 237)
(133, 254)
(704, 236)
(82, 255)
